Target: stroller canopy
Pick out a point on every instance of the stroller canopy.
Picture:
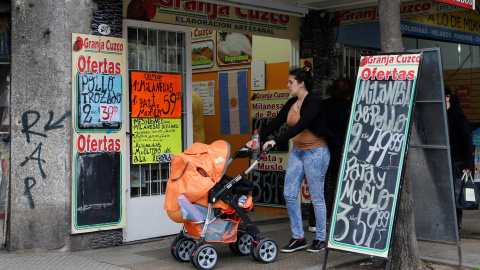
(195, 171)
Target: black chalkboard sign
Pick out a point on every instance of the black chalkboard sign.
(98, 188)
(374, 154)
(99, 101)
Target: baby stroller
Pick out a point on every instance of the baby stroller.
(212, 205)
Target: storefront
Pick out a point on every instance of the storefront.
(235, 58)
(424, 24)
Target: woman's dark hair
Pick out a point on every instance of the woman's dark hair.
(454, 99)
(448, 91)
(303, 75)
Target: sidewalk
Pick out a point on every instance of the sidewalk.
(156, 254)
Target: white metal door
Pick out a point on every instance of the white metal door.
(161, 48)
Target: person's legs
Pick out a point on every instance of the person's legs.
(312, 222)
(293, 180)
(315, 165)
(459, 220)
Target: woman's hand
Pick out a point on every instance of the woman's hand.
(467, 171)
(265, 145)
(249, 144)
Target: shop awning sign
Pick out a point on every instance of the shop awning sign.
(470, 4)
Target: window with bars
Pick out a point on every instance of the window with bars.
(159, 51)
(351, 60)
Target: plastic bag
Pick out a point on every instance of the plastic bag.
(469, 198)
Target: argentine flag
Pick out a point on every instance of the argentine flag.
(233, 94)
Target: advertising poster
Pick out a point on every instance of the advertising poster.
(153, 136)
(206, 91)
(233, 49)
(98, 177)
(374, 155)
(220, 50)
(98, 81)
(203, 49)
(155, 95)
(269, 176)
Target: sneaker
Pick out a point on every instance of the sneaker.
(294, 245)
(312, 229)
(316, 246)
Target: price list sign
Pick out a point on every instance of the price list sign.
(155, 95)
(269, 177)
(99, 98)
(98, 73)
(374, 155)
(154, 136)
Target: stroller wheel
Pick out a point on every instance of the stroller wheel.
(243, 244)
(252, 251)
(205, 257)
(173, 249)
(190, 255)
(265, 251)
(182, 249)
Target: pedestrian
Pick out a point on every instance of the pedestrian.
(337, 111)
(461, 145)
(304, 114)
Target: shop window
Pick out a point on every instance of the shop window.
(157, 51)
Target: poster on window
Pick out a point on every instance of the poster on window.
(153, 136)
(206, 91)
(155, 95)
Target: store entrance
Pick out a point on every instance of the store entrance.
(154, 51)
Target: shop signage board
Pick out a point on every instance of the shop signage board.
(198, 14)
(407, 10)
(470, 4)
(458, 27)
(98, 82)
(98, 76)
(155, 104)
(269, 176)
(374, 155)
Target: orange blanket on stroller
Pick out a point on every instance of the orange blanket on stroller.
(194, 172)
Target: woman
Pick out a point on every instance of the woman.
(461, 146)
(309, 156)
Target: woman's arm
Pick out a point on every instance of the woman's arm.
(278, 120)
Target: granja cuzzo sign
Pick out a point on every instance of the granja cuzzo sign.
(215, 16)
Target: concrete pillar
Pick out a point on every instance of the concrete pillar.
(41, 128)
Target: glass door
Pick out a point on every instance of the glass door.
(155, 48)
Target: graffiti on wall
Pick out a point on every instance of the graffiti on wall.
(30, 128)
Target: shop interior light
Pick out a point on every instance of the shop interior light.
(265, 6)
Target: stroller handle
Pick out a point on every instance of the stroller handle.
(244, 152)
(215, 197)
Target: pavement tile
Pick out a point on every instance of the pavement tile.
(155, 254)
